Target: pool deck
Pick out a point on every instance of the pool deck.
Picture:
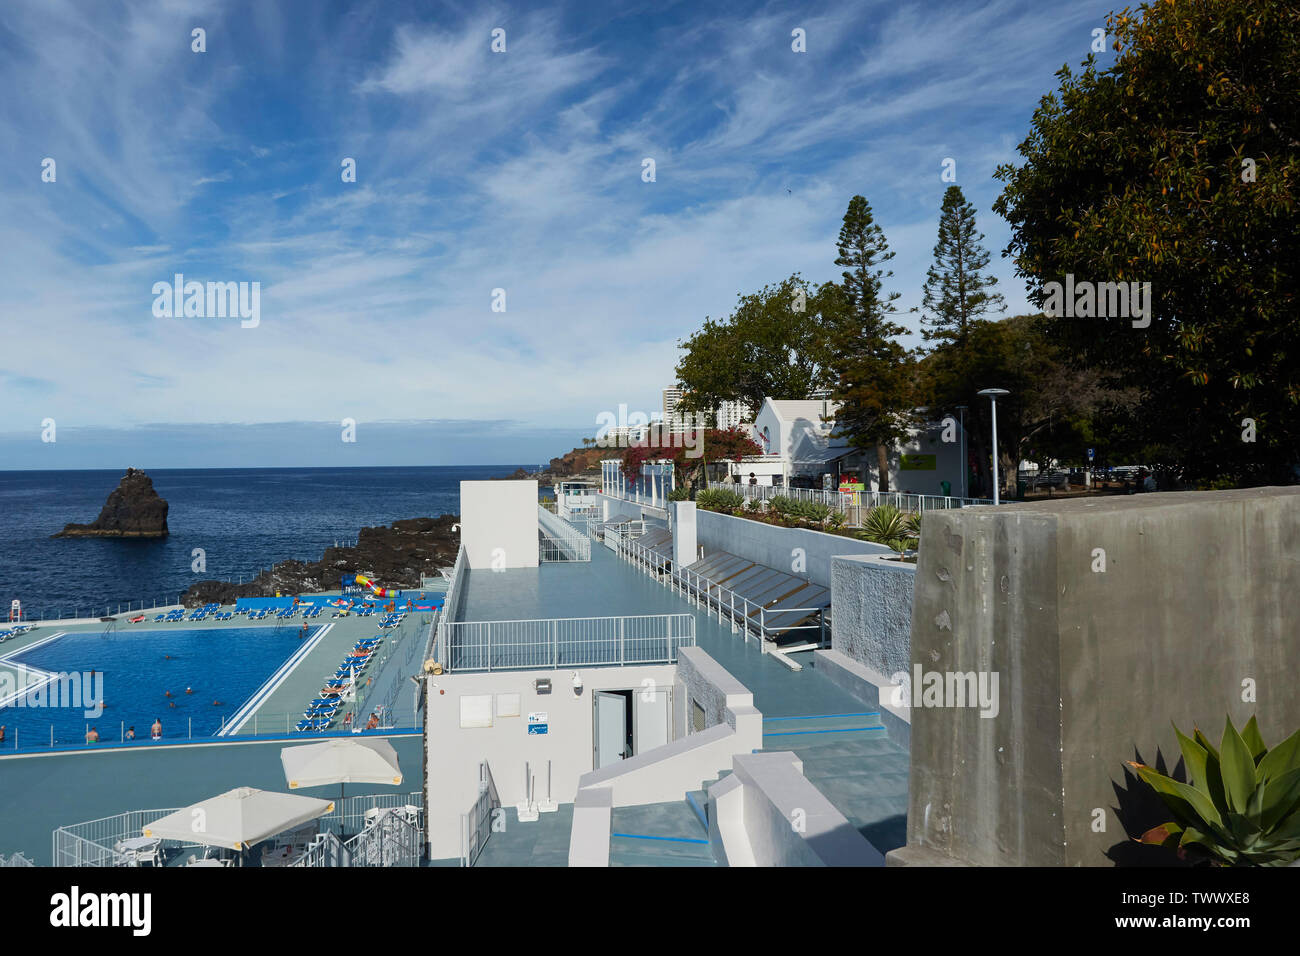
(281, 706)
(846, 752)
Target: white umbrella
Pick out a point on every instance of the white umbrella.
(238, 818)
(341, 760)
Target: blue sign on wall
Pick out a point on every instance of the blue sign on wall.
(537, 723)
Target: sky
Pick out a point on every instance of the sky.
(501, 270)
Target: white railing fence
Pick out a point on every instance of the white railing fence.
(852, 503)
(476, 825)
(560, 541)
(743, 615)
(549, 643)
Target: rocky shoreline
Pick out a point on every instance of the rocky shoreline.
(394, 557)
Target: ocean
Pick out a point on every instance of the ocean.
(243, 519)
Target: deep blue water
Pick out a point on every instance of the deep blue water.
(243, 519)
(223, 665)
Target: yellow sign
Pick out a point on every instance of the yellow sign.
(919, 462)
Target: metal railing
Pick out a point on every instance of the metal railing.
(476, 825)
(450, 609)
(390, 838)
(847, 502)
(566, 642)
(743, 616)
(15, 859)
(93, 843)
(560, 541)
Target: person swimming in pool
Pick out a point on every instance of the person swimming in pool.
(189, 690)
(130, 733)
(167, 693)
(156, 730)
(216, 703)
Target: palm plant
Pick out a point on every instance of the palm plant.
(1242, 806)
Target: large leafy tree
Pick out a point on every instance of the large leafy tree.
(692, 465)
(872, 371)
(957, 291)
(1179, 166)
(773, 344)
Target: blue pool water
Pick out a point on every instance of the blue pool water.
(219, 664)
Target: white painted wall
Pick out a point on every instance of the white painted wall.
(455, 752)
(498, 522)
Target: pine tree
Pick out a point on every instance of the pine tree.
(872, 371)
(957, 292)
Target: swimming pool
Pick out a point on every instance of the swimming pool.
(134, 671)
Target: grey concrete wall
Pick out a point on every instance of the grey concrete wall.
(593, 811)
(703, 680)
(872, 621)
(1196, 609)
(776, 547)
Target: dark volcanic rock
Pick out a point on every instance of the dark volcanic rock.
(133, 510)
(393, 557)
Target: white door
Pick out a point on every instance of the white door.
(649, 718)
(611, 728)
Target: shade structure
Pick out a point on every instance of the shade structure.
(341, 760)
(238, 818)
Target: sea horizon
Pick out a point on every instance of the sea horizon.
(229, 523)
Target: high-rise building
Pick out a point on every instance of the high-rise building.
(672, 396)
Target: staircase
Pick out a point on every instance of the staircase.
(850, 759)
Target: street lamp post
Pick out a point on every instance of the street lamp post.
(993, 394)
(965, 457)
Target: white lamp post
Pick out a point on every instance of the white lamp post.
(993, 394)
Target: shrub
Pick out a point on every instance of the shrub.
(1242, 806)
(680, 494)
(720, 499)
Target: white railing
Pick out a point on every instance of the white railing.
(476, 825)
(566, 642)
(560, 541)
(846, 502)
(94, 843)
(743, 616)
(450, 608)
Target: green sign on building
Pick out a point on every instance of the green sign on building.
(919, 462)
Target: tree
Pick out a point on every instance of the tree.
(1179, 166)
(872, 372)
(719, 444)
(773, 344)
(957, 291)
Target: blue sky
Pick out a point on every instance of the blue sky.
(476, 171)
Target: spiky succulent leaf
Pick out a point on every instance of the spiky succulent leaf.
(1281, 759)
(1238, 768)
(1254, 742)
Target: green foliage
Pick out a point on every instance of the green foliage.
(788, 507)
(1180, 166)
(680, 493)
(872, 371)
(767, 347)
(956, 290)
(720, 499)
(1242, 805)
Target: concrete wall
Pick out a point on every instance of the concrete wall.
(875, 690)
(498, 521)
(786, 820)
(454, 753)
(1195, 609)
(872, 622)
(700, 679)
(775, 546)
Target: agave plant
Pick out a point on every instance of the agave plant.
(883, 524)
(1242, 806)
(912, 525)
